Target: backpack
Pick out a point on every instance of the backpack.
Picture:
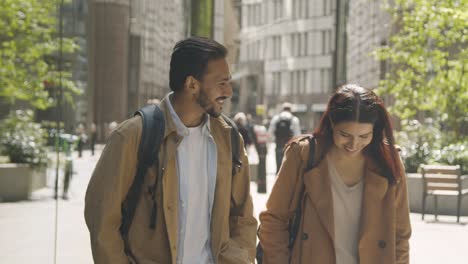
(283, 131)
(151, 139)
(294, 222)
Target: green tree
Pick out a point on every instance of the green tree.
(428, 59)
(29, 48)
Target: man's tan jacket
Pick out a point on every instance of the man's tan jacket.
(233, 227)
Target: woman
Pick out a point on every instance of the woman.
(354, 204)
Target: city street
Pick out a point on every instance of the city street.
(27, 227)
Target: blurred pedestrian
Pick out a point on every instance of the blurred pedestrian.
(82, 139)
(110, 127)
(93, 137)
(241, 121)
(353, 204)
(283, 127)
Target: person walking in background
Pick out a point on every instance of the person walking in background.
(242, 124)
(193, 209)
(93, 136)
(283, 127)
(353, 202)
(82, 138)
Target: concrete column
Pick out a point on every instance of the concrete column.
(108, 62)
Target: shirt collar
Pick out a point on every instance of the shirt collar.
(182, 130)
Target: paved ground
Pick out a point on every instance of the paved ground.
(27, 228)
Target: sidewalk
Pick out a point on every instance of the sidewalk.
(27, 227)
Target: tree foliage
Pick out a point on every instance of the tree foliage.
(29, 48)
(428, 59)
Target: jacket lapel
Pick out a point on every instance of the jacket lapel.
(170, 204)
(375, 189)
(318, 188)
(221, 135)
(170, 180)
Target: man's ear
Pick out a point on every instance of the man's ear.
(192, 85)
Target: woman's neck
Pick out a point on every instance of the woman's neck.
(340, 156)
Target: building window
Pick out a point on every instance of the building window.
(261, 49)
(327, 44)
(294, 44)
(314, 7)
(304, 44)
(258, 14)
(305, 9)
(300, 9)
(303, 82)
(277, 87)
(292, 81)
(276, 40)
(277, 9)
(326, 80)
(326, 7)
(309, 84)
(293, 9)
(269, 83)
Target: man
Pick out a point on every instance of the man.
(204, 214)
(283, 127)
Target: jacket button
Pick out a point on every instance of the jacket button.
(382, 244)
(305, 236)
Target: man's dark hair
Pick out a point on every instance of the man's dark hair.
(190, 57)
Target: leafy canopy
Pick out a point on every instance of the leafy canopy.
(29, 48)
(428, 58)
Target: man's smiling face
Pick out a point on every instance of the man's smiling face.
(215, 87)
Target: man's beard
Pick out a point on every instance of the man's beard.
(204, 102)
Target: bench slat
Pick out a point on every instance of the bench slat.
(448, 179)
(439, 187)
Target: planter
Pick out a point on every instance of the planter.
(18, 181)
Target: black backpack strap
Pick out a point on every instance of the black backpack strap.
(310, 161)
(294, 224)
(153, 126)
(236, 162)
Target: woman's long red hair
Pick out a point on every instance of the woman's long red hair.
(354, 103)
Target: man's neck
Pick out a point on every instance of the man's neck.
(190, 113)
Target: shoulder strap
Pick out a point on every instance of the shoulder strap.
(310, 160)
(152, 134)
(236, 162)
(153, 126)
(294, 223)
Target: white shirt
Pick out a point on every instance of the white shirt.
(192, 166)
(196, 170)
(347, 215)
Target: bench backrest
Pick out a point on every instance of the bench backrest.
(441, 177)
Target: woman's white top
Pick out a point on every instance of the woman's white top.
(347, 213)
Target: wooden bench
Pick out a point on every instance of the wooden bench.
(442, 180)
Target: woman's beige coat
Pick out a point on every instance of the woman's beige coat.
(384, 229)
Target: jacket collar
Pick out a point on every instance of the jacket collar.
(318, 188)
(173, 122)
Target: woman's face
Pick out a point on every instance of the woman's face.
(351, 137)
